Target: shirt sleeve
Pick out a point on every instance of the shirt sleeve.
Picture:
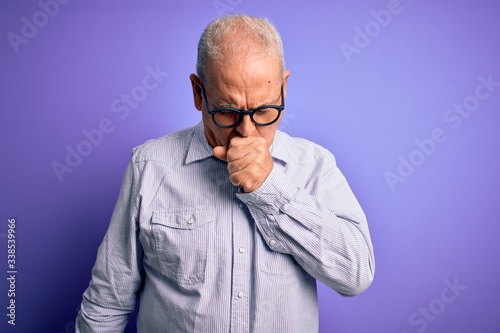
(323, 227)
(116, 276)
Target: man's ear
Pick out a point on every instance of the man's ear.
(196, 84)
(286, 74)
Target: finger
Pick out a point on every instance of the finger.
(240, 147)
(238, 141)
(235, 153)
(242, 178)
(236, 165)
(220, 152)
(238, 178)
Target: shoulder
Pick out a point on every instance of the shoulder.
(166, 149)
(301, 150)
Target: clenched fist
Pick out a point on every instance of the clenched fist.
(249, 161)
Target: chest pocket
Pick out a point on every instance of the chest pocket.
(183, 238)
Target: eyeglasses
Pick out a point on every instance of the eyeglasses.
(227, 117)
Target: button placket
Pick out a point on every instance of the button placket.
(242, 235)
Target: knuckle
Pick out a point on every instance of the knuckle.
(231, 167)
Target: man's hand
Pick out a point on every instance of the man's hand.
(248, 161)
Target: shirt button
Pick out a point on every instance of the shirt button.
(242, 250)
(270, 217)
(241, 205)
(272, 242)
(250, 203)
(241, 294)
(190, 220)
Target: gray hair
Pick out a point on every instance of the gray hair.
(237, 34)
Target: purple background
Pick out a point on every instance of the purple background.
(437, 227)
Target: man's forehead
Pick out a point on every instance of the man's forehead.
(252, 79)
(245, 74)
(239, 98)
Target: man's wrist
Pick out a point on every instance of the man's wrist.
(276, 190)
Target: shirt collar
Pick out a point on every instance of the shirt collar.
(199, 148)
(279, 149)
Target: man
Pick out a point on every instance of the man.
(225, 226)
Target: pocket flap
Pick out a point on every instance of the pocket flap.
(184, 218)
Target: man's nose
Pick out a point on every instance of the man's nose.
(246, 126)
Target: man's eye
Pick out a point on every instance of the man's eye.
(226, 113)
(264, 111)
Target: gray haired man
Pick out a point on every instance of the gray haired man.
(227, 225)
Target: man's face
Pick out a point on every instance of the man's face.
(241, 85)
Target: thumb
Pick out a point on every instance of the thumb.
(220, 152)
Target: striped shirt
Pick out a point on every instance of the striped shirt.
(203, 257)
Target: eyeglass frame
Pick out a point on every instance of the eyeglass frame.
(241, 113)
